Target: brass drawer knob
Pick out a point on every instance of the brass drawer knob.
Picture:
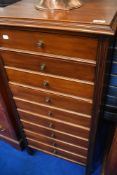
(45, 84)
(52, 135)
(53, 144)
(40, 44)
(47, 100)
(42, 67)
(54, 151)
(50, 113)
(50, 125)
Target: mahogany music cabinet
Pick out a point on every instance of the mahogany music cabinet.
(54, 63)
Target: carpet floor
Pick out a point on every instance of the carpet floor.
(15, 162)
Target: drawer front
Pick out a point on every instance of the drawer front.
(50, 123)
(61, 67)
(54, 134)
(58, 144)
(54, 113)
(57, 152)
(42, 81)
(50, 99)
(67, 45)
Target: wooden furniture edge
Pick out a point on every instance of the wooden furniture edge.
(65, 26)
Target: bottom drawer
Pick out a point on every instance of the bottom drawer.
(55, 134)
(60, 153)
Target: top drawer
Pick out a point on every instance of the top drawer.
(52, 43)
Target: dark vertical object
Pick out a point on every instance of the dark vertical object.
(110, 114)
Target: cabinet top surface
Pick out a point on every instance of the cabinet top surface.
(95, 16)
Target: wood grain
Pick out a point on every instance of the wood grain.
(62, 153)
(77, 20)
(53, 43)
(54, 84)
(54, 113)
(60, 126)
(52, 133)
(59, 144)
(55, 66)
(55, 99)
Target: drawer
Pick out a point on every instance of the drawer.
(52, 43)
(76, 88)
(50, 65)
(54, 134)
(49, 123)
(51, 99)
(53, 113)
(57, 152)
(58, 144)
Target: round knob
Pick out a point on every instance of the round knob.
(54, 151)
(53, 144)
(52, 135)
(50, 113)
(47, 100)
(42, 67)
(45, 84)
(40, 44)
(50, 125)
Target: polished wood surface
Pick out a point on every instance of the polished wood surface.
(97, 16)
(58, 100)
(56, 84)
(57, 125)
(55, 63)
(59, 144)
(50, 65)
(54, 134)
(36, 143)
(57, 152)
(52, 43)
(53, 113)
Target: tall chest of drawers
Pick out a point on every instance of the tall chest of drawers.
(55, 64)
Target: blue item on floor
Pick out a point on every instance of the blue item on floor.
(15, 162)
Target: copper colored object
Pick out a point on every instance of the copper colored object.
(58, 4)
